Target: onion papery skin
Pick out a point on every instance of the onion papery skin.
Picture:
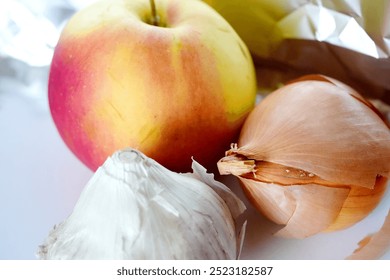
(313, 156)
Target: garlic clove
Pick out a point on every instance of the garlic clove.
(134, 208)
(235, 205)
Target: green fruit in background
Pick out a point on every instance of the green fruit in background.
(254, 21)
(342, 39)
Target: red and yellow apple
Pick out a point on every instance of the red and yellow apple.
(175, 90)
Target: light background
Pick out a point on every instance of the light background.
(40, 179)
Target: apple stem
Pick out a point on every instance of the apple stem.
(155, 17)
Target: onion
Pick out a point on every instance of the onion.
(314, 156)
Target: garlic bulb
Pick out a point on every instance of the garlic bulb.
(134, 208)
(313, 156)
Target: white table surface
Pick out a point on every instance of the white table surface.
(40, 181)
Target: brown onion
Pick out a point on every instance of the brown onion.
(314, 156)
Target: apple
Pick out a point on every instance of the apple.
(171, 79)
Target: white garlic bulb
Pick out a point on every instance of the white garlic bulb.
(134, 208)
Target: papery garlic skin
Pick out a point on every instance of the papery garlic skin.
(134, 208)
(313, 155)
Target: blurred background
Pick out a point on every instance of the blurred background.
(40, 179)
(29, 30)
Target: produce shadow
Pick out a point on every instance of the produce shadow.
(259, 231)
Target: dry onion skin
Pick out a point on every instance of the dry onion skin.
(374, 246)
(313, 156)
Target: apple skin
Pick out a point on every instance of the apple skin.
(175, 91)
